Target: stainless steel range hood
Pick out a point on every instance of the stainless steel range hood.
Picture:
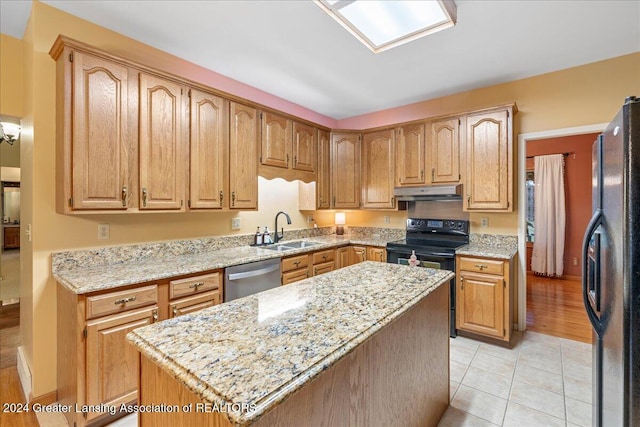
(428, 193)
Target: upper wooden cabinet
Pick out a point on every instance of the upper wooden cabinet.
(92, 108)
(378, 175)
(345, 170)
(276, 140)
(162, 144)
(304, 147)
(243, 156)
(410, 155)
(488, 183)
(444, 153)
(209, 143)
(323, 182)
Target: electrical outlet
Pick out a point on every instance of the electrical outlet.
(484, 222)
(309, 219)
(235, 223)
(574, 261)
(387, 219)
(103, 231)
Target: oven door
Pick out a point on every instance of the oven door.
(442, 261)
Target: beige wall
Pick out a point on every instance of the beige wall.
(10, 76)
(551, 101)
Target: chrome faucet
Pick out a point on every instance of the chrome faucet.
(277, 237)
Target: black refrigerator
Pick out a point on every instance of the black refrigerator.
(611, 270)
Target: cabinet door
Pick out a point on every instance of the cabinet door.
(323, 186)
(113, 364)
(480, 304)
(445, 149)
(304, 147)
(357, 254)
(209, 141)
(162, 144)
(376, 254)
(342, 257)
(488, 181)
(276, 140)
(410, 155)
(100, 177)
(243, 157)
(378, 176)
(345, 170)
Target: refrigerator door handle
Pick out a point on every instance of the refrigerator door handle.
(594, 223)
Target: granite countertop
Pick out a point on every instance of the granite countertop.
(479, 249)
(259, 349)
(10, 225)
(82, 280)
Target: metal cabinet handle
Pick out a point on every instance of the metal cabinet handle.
(174, 311)
(468, 200)
(433, 174)
(221, 197)
(295, 159)
(287, 159)
(144, 197)
(481, 266)
(324, 257)
(421, 174)
(297, 263)
(334, 201)
(124, 196)
(154, 315)
(124, 300)
(233, 198)
(462, 283)
(196, 285)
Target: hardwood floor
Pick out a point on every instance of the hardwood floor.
(555, 307)
(10, 389)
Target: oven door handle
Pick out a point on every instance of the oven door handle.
(419, 254)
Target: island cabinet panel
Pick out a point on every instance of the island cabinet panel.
(378, 170)
(243, 156)
(484, 297)
(304, 147)
(112, 367)
(384, 381)
(489, 156)
(345, 170)
(162, 144)
(323, 186)
(410, 155)
(97, 107)
(276, 140)
(209, 147)
(444, 155)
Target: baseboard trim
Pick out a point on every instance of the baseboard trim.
(45, 399)
(23, 373)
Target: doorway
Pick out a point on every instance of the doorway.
(551, 305)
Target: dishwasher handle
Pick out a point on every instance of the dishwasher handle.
(253, 273)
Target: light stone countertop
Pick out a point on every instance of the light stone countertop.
(260, 349)
(83, 280)
(482, 250)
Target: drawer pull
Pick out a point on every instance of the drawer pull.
(175, 311)
(462, 283)
(481, 266)
(196, 285)
(324, 257)
(154, 315)
(124, 300)
(297, 263)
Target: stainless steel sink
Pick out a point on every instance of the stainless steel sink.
(291, 245)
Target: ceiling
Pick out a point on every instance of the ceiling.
(293, 50)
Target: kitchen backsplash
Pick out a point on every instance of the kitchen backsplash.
(61, 261)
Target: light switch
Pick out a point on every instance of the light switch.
(235, 223)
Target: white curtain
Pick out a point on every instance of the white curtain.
(549, 216)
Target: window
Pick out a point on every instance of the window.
(381, 25)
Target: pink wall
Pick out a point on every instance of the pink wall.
(577, 189)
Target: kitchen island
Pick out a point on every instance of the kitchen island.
(361, 346)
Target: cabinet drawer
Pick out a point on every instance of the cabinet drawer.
(480, 265)
(194, 303)
(294, 276)
(323, 256)
(323, 268)
(295, 262)
(116, 302)
(194, 285)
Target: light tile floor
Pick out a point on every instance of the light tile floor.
(542, 381)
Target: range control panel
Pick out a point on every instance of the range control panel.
(444, 226)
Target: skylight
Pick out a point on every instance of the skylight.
(381, 25)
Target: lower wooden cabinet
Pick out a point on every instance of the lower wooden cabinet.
(357, 254)
(96, 365)
(484, 297)
(342, 257)
(295, 268)
(11, 237)
(376, 254)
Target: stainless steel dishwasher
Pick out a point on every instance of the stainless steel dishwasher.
(248, 279)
